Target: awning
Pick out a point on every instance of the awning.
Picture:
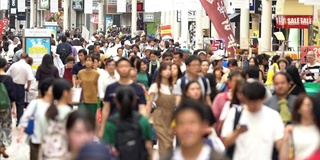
(293, 7)
(234, 17)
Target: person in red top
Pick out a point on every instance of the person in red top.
(68, 69)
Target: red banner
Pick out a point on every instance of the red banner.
(300, 22)
(1, 27)
(306, 49)
(218, 15)
(166, 31)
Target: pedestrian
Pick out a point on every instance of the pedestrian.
(178, 59)
(33, 92)
(88, 80)
(303, 137)
(107, 77)
(67, 73)
(46, 69)
(119, 54)
(143, 75)
(283, 64)
(254, 62)
(64, 49)
(153, 63)
(297, 86)
(204, 68)
(8, 98)
(122, 128)
(109, 108)
(175, 72)
(35, 110)
(161, 93)
(22, 75)
(167, 57)
(310, 71)
(253, 72)
(79, 65)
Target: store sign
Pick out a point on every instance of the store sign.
(258, 6)
(44, 4)
(148, 17)
(191, 16)
(306, 49)
(301, 22)
(112, 9)
(77, 5)
(13, 6)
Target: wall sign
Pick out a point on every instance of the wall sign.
(306, 49)
(301, 22)
(148, 17)
(258, 6)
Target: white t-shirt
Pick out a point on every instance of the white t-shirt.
(204, 154)
(265, 127)
(164, 89)
(183, 67)
(306, 140)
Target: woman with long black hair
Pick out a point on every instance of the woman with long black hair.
(125, 100)
(46, 69)
(297, 86)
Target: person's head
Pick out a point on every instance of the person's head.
(131, 54)
(216, 60)
(96, 48)
(237, 93)
(125, 99)
(62, 94)
(141, 65)
(193, 91)
(3, 64)
(82, 53)
(45, 88)
(283, 64)
(133, 61)
(123, 67)
(202, 55)
(252, 72)
(253, 61)
(24, 56)
(164, 74)
(193, 64)
(96, 62)
(117, 40)
(253, 97)
(16, 40)
(63, 38)
(303, 108)
(176, 71)
(232, 65)
(153, 55)
(80, 127)
(218, 72)
(205, 66)
(133, 75)
(275, 58)
(295, 76)
(120, 52)
(135, 48)
(282, 84)
(69, 62)
(178, 57)
(311, 57)
(213, 83)
(110, 65)
(127, 44)
(190, 123)
(89, 61)
(46, 64)
(167, 57)
(234, 77)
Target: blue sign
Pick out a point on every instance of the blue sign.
(54, 30)
(251, 5)
(36, 46)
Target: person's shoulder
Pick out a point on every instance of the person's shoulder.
(113, 86)
(81, 71)
(269, 111)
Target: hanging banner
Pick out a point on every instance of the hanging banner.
(218, 15)
(166, 31)
(4, 4)
(1, 27)
(54, 6)
(301, 22)
(306, 49)
(88, 7)
(121, 6)
(21, 5)
(314, 35)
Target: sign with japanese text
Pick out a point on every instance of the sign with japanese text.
(306, 49)
(301, 22)
(313, 35)
(166, 30)
(218, 15)
(258, 6)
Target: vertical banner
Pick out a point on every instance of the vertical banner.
(13, 7)
(4, 4)
(21, 5)
(218, 15)
(166, 31)
(1, 27)
(54, 4)
(88, 7)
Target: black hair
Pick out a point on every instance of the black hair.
(3, 62)
(235, 100)
(63, 38)
(178, 53)
(232, 62)
(58, 87)
(289, 59)
(133, 59)
(275, 58)
(30, 61)
(46, 65)
(85, 53)
(139, 64)
(163, 66)
(82, 115)
(154, 53)
(295, 76)
(127, 98)
(254, 90)
(67, 34)
(190, 104)
(167, 54)
(184, 94)
(69, 59)
(90, 57)
(286, 75)
(119, 49)
(252, 72)
(166, 44)
(136, 47)
(235, 73)
(110, 61)
(45, 85)
(191, 58)
(122, 60)
(256, 61)
(212, 80)
(316, 110)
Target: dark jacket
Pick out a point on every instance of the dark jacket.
(213, 156)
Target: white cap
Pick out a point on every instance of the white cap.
(215, 58)
(127, 42)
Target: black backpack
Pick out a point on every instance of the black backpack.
(184, 84)
(230, 150)
(129, 139)
(63, 52)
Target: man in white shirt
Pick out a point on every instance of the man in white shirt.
(256, 130)
(310, 71)
(21, 74)
(178, 58)
(108, 76)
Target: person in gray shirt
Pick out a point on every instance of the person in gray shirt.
(282, 101)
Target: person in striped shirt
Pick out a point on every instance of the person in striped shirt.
(310, 72)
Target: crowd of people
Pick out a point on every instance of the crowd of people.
(136, 94)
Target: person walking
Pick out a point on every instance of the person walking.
(21, 73)
(46, 69)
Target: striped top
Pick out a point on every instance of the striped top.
(313, 69)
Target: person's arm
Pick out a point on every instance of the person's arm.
(284, 147)
(28, 113)
(105, 114)
(149, 103)
(28, 85)
(178, 100)
(231, 139)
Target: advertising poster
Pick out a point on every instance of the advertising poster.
(36, 48)
(306, 49)
(54, 30)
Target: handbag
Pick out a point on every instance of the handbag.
(30, 127)
(76, 95)
(217, 143)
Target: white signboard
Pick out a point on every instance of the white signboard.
(152, 6)
(21, 5)
(186, 4)
(121, 6)
(37, 33)
(240, 4)
(312, 2)
(88, 6)
(54, 6)
(85, 33)
(112, 2)
(4, 4)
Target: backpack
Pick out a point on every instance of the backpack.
(4, 98)
(129, 141)
(63, 52)
(204, 81)
(230, 150)
(54, 144)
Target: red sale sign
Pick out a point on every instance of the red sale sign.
(306, 49)
(301, 22)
